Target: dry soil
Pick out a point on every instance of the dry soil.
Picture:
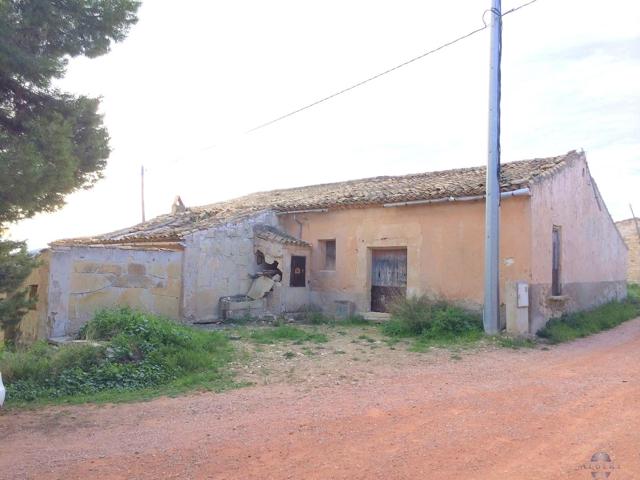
(368, 413)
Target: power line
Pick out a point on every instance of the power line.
(363, 82)
(404, 64)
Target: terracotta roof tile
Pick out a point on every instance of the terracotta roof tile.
(267, 232)
(459, 182)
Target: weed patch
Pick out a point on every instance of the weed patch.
(286, 333)
(432, 323)
(319, 318)
(515, 343)
(580, 324)
(132, 352)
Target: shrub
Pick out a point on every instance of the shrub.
(137, 350)
(422, 317)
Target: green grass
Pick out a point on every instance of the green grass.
(319, 318)
(284, 333)
(432, 323)
(514, 343)
(580, 324)
(135, 356)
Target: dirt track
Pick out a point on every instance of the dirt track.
(495, 414)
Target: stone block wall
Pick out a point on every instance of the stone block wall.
(631, 237)
(90, 278)
(218, 262)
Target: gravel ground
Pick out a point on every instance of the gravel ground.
(369, 413)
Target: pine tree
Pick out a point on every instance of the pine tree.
(51, 143)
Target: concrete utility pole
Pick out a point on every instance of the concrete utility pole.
(491, 317)
(142, 190)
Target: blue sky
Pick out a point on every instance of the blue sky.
(192, 76)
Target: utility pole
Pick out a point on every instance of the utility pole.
(491, 317)
(142, 190)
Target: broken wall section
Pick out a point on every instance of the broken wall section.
(219, 262)
(285, 298)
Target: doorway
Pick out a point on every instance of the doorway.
(388, 277)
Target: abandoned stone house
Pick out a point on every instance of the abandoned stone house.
(630, 231)
(349, 247)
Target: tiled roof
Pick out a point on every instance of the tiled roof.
(267, 232)
(460, 182)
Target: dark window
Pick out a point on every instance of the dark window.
(555, 263)
(298, 268)
(33, 296)
(328, 248)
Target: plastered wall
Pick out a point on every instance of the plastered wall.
(593, 254)
(444, 242)
(284, 298)
(218, 262)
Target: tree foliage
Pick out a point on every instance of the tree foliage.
(51, 142)
(15, 266)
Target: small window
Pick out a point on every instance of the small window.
(33, 296)
(328, 252)
(556, 257)
(298, 271)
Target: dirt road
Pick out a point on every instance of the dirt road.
(494, 414)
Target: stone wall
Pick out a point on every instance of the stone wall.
(86, 279)
(218, 262)
(35, 325)
(632, 238)
(284, 298)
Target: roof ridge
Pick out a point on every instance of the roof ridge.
(357, 193)
(560, 158)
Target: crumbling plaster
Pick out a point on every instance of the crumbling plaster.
(219, 262)
(34, 324)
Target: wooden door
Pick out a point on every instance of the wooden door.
(556, 289)
(388, 277)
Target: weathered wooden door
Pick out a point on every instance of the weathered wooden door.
(388, 277)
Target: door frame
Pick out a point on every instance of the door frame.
(369, 271)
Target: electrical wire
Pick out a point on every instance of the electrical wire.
(374, 77)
